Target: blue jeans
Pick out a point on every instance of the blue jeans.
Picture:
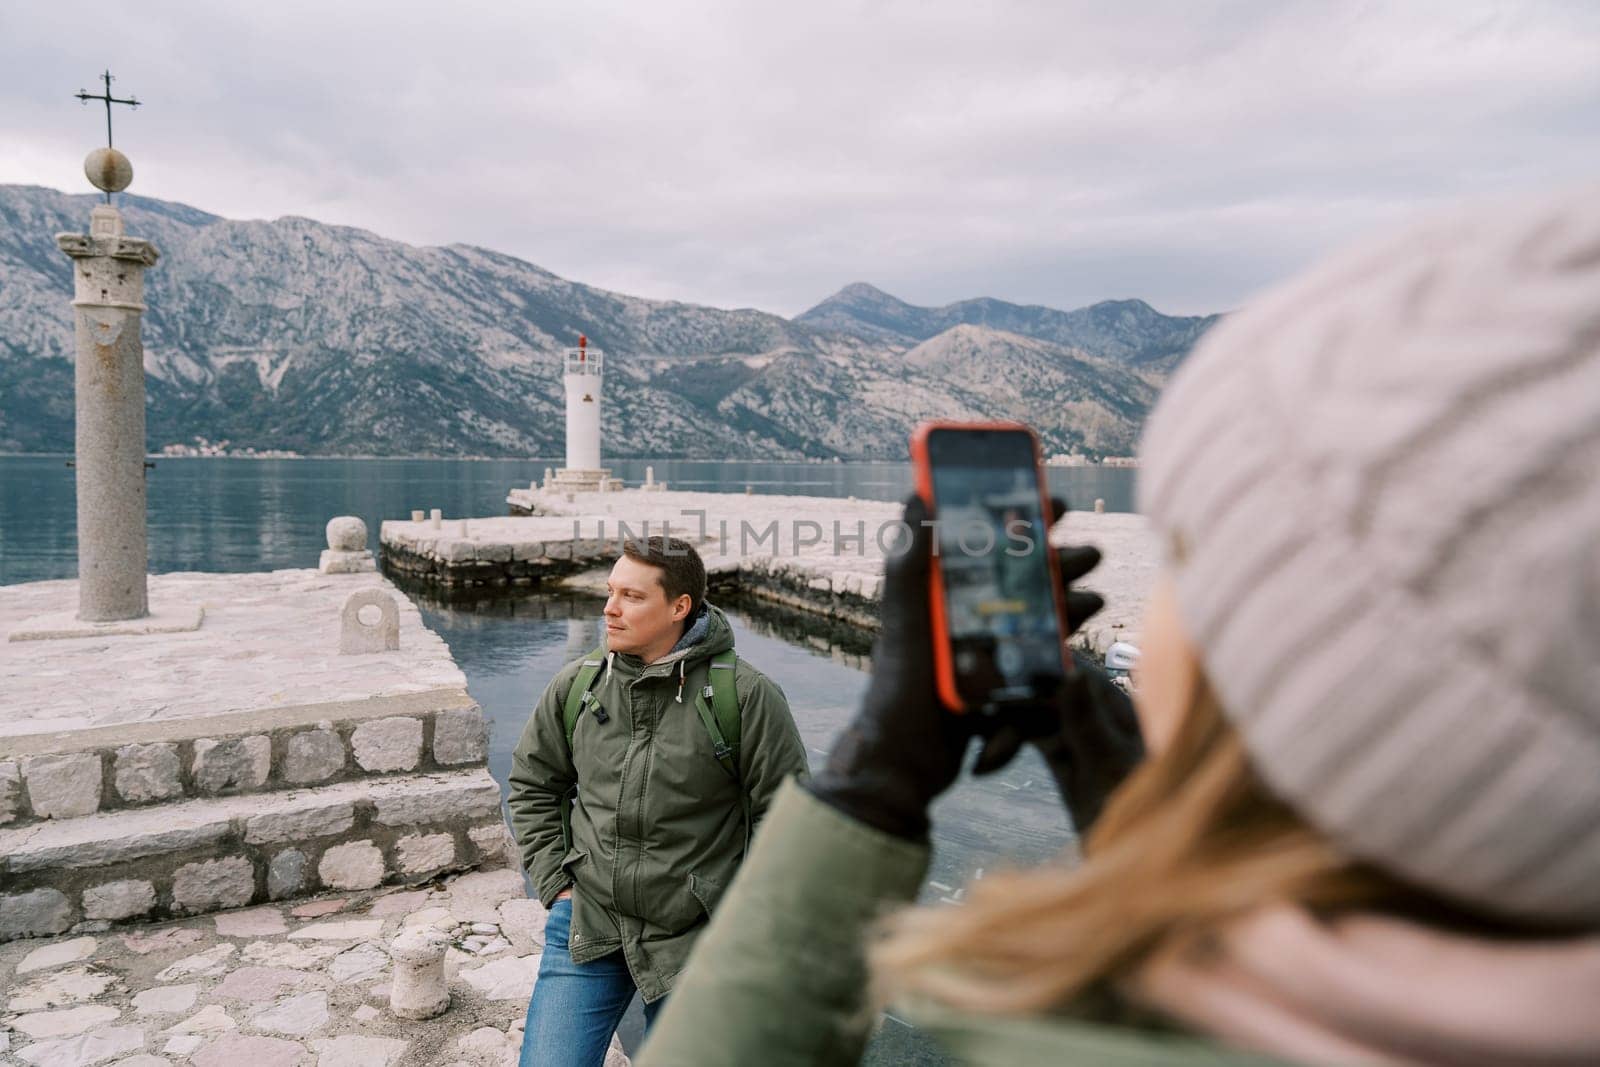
(576, 1006)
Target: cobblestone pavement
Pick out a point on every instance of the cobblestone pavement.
(302, 984)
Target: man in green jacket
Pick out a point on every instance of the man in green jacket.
(781, 976)
(633, 819)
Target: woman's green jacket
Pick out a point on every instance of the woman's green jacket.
(779, 977)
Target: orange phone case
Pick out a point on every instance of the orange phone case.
(943, 660)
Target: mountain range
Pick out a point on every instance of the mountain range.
(322, 339)
(1129, 332)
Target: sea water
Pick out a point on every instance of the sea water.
(217, 514)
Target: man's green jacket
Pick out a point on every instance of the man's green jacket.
(657, 824)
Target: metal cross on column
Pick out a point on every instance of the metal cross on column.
(84, 96)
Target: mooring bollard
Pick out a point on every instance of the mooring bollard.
(435, 517)
(418, 989)
(1099, 506)
(358, 637)
(417, 516)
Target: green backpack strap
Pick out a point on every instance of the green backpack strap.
(579, 696)
(721, 716)
(721, 719)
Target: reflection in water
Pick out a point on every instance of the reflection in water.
(833, 638)
(582, 635)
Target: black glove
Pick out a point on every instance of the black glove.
(1090, 740)
(904, 747)
(1089, 735)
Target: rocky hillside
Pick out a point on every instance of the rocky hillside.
(325, 339)
(1128, 331)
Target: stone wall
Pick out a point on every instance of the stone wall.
(458, 561)
(205, 855)
(114, 768)
(846, 597)
(156, 819)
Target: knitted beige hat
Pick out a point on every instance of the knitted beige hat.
(1381, 485)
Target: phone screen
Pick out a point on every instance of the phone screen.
(1000, 609)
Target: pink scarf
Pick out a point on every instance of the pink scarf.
(1371, 990)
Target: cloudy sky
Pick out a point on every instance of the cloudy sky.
(764, 154)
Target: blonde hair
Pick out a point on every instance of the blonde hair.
(1192, 839)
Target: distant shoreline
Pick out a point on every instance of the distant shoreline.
(548, 460)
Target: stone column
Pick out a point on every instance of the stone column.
(108, 282)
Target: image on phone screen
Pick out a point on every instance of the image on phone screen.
(1005, 636)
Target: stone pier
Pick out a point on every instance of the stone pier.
(821, 555)
(155, 776)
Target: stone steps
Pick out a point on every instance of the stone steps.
(77, 773)
(189, 856)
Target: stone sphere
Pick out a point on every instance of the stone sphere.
(108, 170)
(347, 534)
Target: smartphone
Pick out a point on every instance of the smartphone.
(997, 613)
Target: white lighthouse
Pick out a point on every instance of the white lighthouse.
(583, 373)
(583, 376)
